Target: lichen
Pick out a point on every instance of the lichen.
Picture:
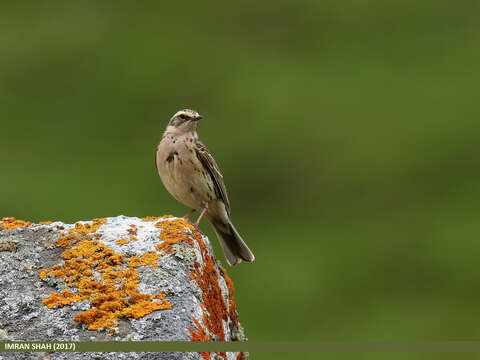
(215, 310)
(238, 333)
(196, 290)
(8, 244)
(200, 335)
(153, 218)
(243, 356)
(231, 302)
(187, 255)
(103, 277)
(160, 274)
(147, 258)
(95, 274)
(207, 279)
(10, 223)
(133, 230)
(122, 241)
(173, 232)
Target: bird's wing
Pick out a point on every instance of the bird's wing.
(209, 163)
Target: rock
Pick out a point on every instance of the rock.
(114, 279)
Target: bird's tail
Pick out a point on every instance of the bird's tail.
(233, 246)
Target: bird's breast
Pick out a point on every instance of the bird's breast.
(179, 167)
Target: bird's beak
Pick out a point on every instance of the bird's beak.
(198, 117)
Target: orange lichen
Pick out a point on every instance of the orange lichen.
(142, 304)
(173, 231)
(206, 277)
(160, 295)
(151, 218)
(231, 303)
(133, 230)
(200, 334)
(10, 223)
(114, 294)
(42, 273)
(147, 258)
(96, 318)
(88, 228)
(45, 222)
(66, 241)
(60, 300)
(122, 241)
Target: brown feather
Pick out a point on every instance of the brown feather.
(209, 163)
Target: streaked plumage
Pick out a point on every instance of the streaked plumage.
(191, 175)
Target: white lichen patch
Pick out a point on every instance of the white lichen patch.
(120, 227)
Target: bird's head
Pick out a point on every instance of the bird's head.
(186, 120)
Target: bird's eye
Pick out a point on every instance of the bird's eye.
(183, 116)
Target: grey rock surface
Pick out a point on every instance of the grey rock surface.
(196, 288)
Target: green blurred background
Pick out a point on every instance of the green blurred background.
(347, 133)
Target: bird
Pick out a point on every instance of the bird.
(191, 175)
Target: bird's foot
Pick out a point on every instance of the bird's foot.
(200, 218)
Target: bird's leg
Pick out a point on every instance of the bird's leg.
(186, 217)
(204, 210)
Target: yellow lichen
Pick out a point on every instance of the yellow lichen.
(155, 218)
(133, 230)
(147, 258)
(114, 294)
(206, 277)
(10, 223)
(173, 231)
(151, 218)
(87, 228)
(142, 304)
(60, 300)
(122, 241)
